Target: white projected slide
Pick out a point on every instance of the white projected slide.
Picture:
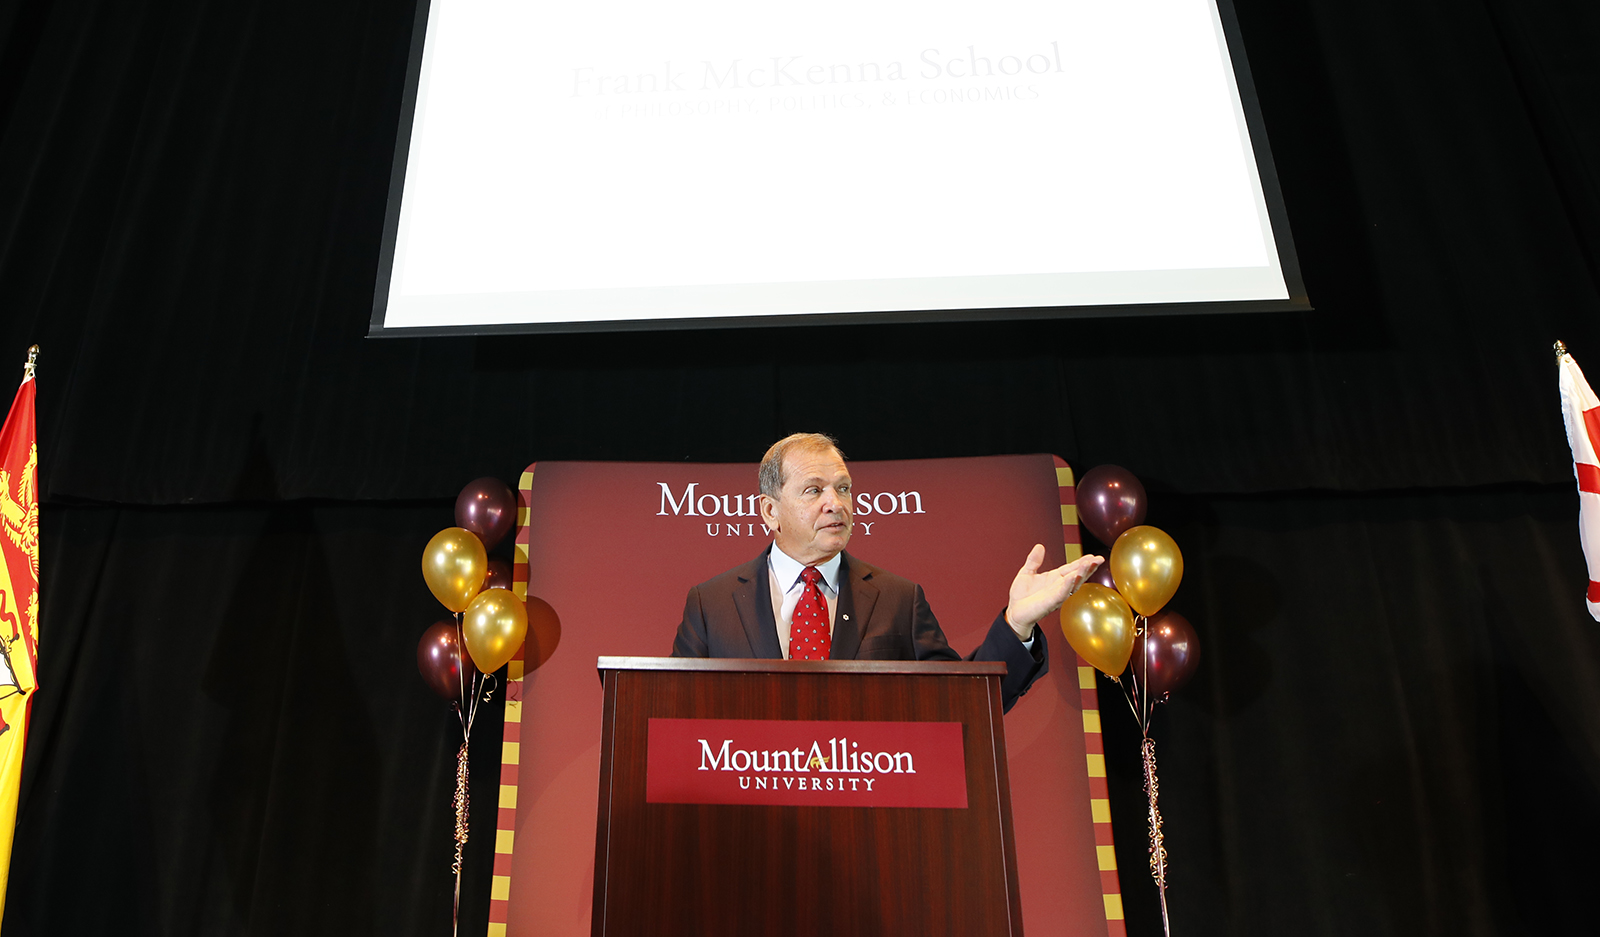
(623, 160)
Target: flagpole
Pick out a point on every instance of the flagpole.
(1560, 347)
(27, 369)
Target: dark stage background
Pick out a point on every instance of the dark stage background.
(1396, 726)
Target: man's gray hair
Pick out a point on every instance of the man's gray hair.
(772, 474)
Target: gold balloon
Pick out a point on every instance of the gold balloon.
(1099, 626)
(454, 565)
(1147, 567)
(494, 626)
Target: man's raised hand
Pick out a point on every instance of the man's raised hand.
(1035, 594)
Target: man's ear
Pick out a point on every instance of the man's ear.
(769, 512)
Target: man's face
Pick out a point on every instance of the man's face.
(810, 518)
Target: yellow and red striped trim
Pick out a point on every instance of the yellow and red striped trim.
(1069, 509)
(511, 741)
(1093, 745)
(1100, 802)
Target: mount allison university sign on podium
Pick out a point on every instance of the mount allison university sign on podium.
(803, 763)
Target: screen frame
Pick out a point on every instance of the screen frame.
(1277, 216)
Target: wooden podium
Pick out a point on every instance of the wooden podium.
(812, 834)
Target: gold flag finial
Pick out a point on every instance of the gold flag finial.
(27, 369)
(1561, 348)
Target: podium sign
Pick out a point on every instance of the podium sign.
(803, 797)
(805, 763)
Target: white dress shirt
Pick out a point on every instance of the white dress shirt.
(783, 577)
(785, 584)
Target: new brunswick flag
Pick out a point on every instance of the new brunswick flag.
(19, 601)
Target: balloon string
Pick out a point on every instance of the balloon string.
(461, 674)
(1136, 690)
(483, 686)
(1158, 848)
(1128, 693)
(1141, 628)
(462, 803)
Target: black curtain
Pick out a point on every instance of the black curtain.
(191, 195)
(230, 736)
(1394, 729)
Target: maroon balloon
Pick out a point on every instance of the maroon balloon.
(499, 575)
(1174, 653)
(1102, 575)
(487, 508)
(1110, 500)
(443, 662)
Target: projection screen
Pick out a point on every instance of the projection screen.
(622, 164)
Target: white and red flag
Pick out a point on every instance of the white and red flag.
(1581, 408)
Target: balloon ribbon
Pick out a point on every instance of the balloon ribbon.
(1137, 691)
(1158, 849)
(462, 804)
(474, 689)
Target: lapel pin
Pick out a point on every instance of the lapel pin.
(847, 618)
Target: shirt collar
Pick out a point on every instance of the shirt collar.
(786, 570)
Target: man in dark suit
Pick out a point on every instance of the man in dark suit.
(804, 597)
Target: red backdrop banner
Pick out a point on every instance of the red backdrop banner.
(607, 553)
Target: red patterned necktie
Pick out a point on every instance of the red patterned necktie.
(809, 638)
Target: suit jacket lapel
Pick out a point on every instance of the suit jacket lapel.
(753, 599)
(856, 597)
